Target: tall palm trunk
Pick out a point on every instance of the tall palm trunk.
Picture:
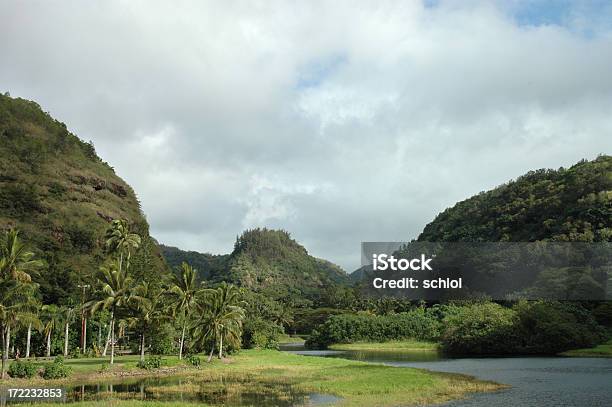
(66, 327)
(49, 344)
(4, 352)
(112, 360)
(28, 340)
(108, 338)
(8, 340)
(221, 346)
(142, 346)
(212, 351)
(182, 341)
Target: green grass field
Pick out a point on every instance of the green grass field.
(357, 383)
(391, 346)
(604, 350)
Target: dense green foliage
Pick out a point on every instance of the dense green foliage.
(23, 369)
(205, 264)
(56, 370)
(150, 363)
(61, 196)
(419, 323)
(283, 286)
(261, 334)
(478, 329)
(534, 327)
(573, 204)
(527, 327)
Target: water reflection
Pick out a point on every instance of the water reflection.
(226, 392)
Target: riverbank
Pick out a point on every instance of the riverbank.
(356, 383)
(600, 351)
(390, 346)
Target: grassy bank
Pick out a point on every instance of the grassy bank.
(290, 338)
(602, 351)
(390, 346)
(357, 383)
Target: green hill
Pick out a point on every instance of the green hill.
(61, 196)
(206, 264)
(573, 204)
(267, 261)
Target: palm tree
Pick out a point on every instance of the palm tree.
(16, 261)
(149, 309)
(29, 317)
(51, 316)
(182, 292)
(121, 241)
(68, 318)
(116, 286)
(220, 317)
(14, 310)
(284, 317)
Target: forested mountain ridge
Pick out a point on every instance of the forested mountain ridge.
(61, 196)
(266, 261)
(573, 204)
(205, 264)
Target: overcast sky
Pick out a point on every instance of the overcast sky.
(340, 122)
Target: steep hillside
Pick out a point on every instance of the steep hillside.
(267, 261)
(573, 204)
(61, 196)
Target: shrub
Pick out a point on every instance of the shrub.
(262, 334)
(162, 339)
(420, 324)
(57, 369)
(150, 363)
(19, 199)
(549, 327)
(486, 328)
(22, 369)
(194, 360)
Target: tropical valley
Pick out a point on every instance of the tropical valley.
(91, 303)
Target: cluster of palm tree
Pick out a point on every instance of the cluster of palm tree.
(211, 317)
(17, 304)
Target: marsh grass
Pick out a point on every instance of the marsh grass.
(602, 351)
(390, 346)
(267, 371)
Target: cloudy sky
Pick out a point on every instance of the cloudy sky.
(340, 122)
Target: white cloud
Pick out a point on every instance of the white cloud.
(338, 121)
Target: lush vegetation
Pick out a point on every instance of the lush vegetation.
(348, 328)
(573, 204)
(603, 350)
(269, 262)
(356, 383)
(129, 303)
(410, 345)
(61, 196)
(89, 257)
(285, 289)
(527, 327)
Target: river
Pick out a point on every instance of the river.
(535, 381)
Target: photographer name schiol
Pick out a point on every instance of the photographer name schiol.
(384, 262)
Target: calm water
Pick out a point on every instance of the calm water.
(535, 381)
(219, 392)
